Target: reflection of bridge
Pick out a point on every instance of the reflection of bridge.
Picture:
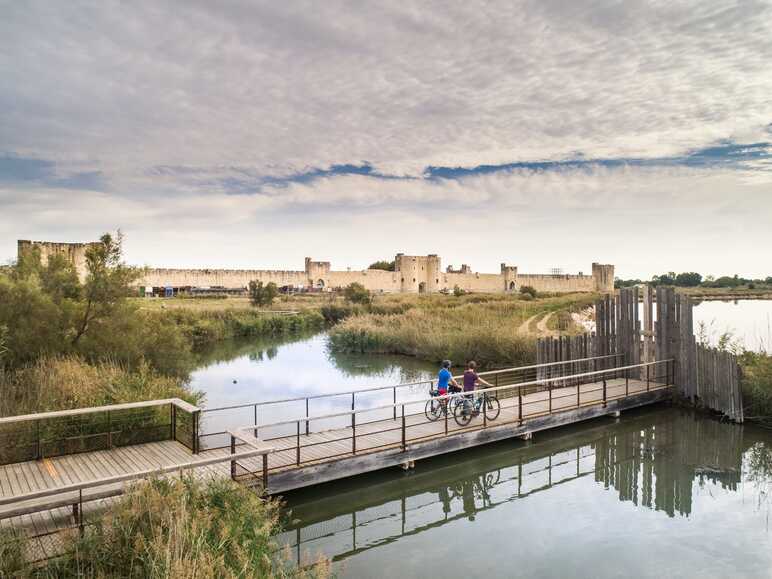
(638, 458)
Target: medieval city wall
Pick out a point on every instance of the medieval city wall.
(413, 274)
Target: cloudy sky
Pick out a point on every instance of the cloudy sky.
(251, 134)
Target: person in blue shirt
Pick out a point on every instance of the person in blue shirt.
(445, 379)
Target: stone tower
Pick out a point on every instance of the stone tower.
(418, 273)
(75, 253)
(318, 273)
(509, 275)
(603, 277)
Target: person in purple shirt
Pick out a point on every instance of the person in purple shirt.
(472, 379)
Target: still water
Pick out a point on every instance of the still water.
(242, 372)
(658, 493)
(749, 321)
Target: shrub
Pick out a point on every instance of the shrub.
(384, 265)
(757, 386)
(181, 528)
(458, 292)
(262, 295)
(528, 290)
(357, 294)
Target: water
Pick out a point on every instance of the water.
(244, 372)
(660, 493)
(749, 321)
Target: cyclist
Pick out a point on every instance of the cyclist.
(471, 380)
(446, 381)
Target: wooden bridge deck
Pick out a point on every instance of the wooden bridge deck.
(294, 461)
(336, 445)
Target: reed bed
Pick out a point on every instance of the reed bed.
(484, 328)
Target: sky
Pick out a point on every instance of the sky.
(251, 134)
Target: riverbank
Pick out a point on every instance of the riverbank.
(488, 329)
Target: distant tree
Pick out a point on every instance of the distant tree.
(458, 292)
(688, 279)
(528, 290)
(664, 279)
(108, 282)
(768, 280)
(356, 293)
(384, 265)
(727, 281)
(618, 283)
(262, 295)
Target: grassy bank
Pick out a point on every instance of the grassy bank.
(202, 326)
(757, 386)
(168, 529)
(491, 329)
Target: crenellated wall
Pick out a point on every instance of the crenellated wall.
(413, 274)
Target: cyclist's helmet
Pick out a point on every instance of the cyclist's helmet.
(446, 363)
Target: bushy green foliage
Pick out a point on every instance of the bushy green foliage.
(356, 293)
(757, 386)
(262, 294)
(458, 292)
(384, 265)
(526, 289)
(170, 528)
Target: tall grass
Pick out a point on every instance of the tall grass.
(178, 528)
(480, 327)
(58, 383)
(757, 386)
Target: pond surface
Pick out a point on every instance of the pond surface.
(258, 370)
(749, 321)
(659, 493)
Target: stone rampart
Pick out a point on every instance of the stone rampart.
(413, 274)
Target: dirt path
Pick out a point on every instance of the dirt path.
(541, 325)
(525, 327)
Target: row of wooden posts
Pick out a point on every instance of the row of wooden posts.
(703, 375)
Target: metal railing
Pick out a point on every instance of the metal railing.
(303, 405)
(48, 434)
(351, 432)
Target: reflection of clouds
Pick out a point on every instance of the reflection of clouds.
(297, 369)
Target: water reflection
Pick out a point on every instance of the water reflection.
(656, 461)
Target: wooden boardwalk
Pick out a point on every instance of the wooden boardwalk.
(46, 496)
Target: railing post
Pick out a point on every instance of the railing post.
(353, 433)
(647, 377)
(484, 406)
(255, 420)
(394, 398)
(404, 439)
(196, 441)
(446, 410)
(578, 394)
(353, 403)
(307, 416)
(80, 512)
(298, 443)
(173, 421)
(520, 405)
(233, 462)
(39, 445)
(604, 392)
(109, 431)
(549, 388)
(627, 383)
(265, 473)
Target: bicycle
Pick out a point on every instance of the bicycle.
(466, 409)
(436, 408)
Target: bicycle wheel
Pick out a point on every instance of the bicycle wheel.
(433, 410)
(492, 407)
(463, 412)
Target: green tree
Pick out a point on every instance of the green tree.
(457, 291)
(356, 293)
(688, 279)
(664, 279)
(528, 290)
(262, 295)
(384, 265)
(107, 285)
